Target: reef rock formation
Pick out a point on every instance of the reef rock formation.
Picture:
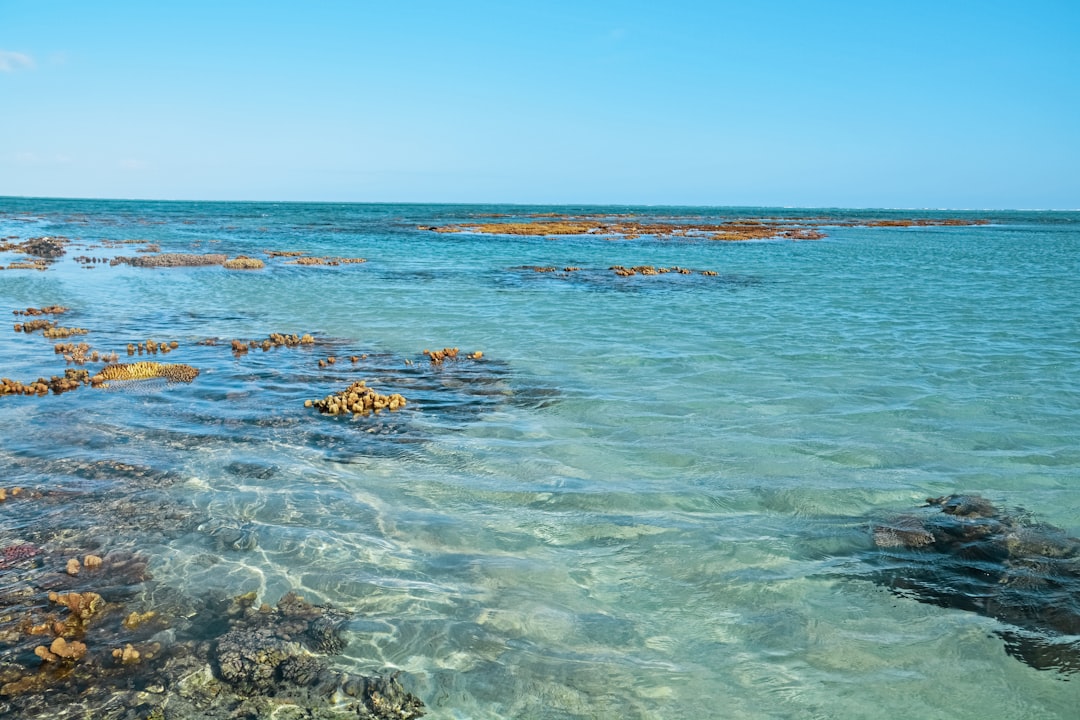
(243, 262)
(49, 248)
(357, 399)
(329, 261)
(144, 371)
(171, 260)
(48, 310)
(107, 641)
(960, 551)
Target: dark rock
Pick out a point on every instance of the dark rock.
(961, 552)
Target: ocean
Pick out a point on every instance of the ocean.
(649, 497)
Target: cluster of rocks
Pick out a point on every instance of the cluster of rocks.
(81, 354)
(56, 333)
(151, 347)
(47, 310)
(31, 326)
(358, 400)
(48, 248)
(549, 268)
(437, 357)
(70, 380)
(331, 261)
(48, 328)
(78, 638)
(239, 347)
(648, 270)
(43, 252)
(89, 262)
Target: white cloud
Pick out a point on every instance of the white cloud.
(10, 61)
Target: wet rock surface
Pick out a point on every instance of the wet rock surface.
(962, 552)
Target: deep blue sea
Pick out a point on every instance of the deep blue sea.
(644, 501)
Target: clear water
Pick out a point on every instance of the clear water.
(645, 502)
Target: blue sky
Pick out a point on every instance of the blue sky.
(830, 103)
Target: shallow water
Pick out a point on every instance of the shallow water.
(646, 500)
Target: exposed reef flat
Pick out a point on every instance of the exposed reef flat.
(628, 228)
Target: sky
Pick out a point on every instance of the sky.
(825, 103)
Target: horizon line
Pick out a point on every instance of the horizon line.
(535, 204)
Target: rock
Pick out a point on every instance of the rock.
(962, 552)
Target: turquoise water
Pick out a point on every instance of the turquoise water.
(620, 512)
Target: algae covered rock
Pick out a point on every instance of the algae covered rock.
(962, 552)
(269, 652)
(243, 262)
(174, 372)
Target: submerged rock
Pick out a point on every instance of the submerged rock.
(269, 652)
(109, 642)
(960, 551)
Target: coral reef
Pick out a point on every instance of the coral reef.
(14, 387)
(626, 227)
(437, 357)
(152, 347)
(650, 270)
(34, 325)
(239, 347)
(56, 333)
(171, 260)
(27, 265)
(48, 310)
(88, 644)
(243, 262)
(330, 261)
(144, 371)
(49, 248)
(72, 380)
(357, 399)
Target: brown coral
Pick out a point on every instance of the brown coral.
(437, 356)
(61, 648)
(48, 310)
(145, 371)
(62, 332)
(243, 262)
(14, 387)
(127, 656)
(357, 399)
(83, 606)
